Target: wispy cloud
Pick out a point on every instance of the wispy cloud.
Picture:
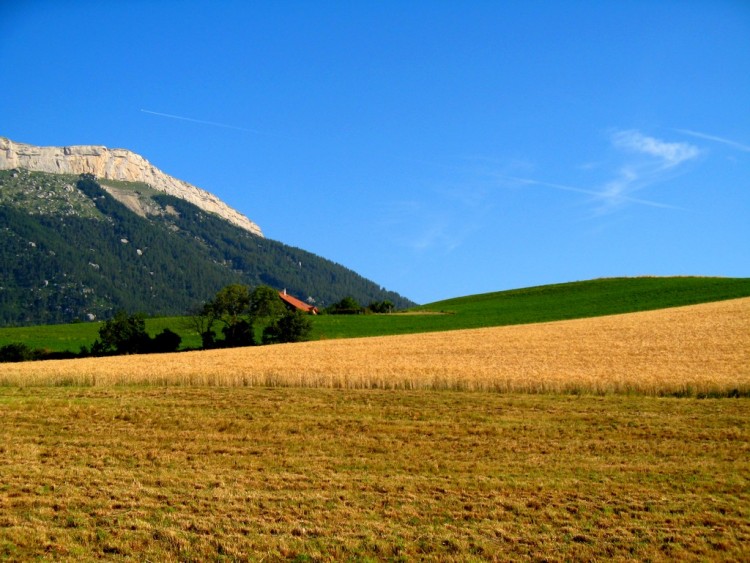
(437, 219)
(729, 142)
(670, 154)
(644, 161)
(419, 226)
(436, 235)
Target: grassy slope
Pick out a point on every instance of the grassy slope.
(537, 304)
(541, 304)
(592, 298)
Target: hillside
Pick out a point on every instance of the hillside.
(574, 300)
(76, 248)
(590, 298)
(556, 302)
(697, 350)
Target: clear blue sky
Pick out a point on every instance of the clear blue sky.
(439, 148)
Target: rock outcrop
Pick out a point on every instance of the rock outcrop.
(114, 164)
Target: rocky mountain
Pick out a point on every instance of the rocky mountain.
(114, 164)
(77, 246)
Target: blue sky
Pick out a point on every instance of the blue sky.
(439, 148)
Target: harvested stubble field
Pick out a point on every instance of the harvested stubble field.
(195, 474)
(392, 448)
(700, 350)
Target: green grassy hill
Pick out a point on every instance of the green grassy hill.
(540, 304)
(535, 304)
(607, 296)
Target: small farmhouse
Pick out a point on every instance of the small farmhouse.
(294, 303)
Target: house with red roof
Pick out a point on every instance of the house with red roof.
(294, 303)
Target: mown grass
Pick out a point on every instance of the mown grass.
(167, 474)
(531, 305)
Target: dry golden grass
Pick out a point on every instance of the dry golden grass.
(202, 469)
(151, 473)
(697, 350)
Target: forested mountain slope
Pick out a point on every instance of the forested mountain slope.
(74, 248)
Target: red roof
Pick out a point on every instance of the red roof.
(301, 305)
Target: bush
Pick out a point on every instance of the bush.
(381, 306)
(124, 334)
(294, 326)
(239, 333)
(166, 341)
(347, 306)
(17, 352)
(208, 339)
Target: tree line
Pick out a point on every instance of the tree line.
(236, 316)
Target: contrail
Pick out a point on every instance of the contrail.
(595, 194)
(214, 123)
(735, 144)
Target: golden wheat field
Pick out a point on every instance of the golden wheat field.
(695, 350)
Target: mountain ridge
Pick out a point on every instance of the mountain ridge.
(118, 165)
(78, 248)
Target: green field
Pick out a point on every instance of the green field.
(540, 304)
(608, 296)
(59, 338)
(530, 305)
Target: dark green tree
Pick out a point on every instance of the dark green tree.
(347, 306)
(266, 307)
(238, 334)
(265, 303)
(229, 308)
(231, 303)
(381, 306)
(165, 341)
(293, 326)
(202, 320)
(123, 334)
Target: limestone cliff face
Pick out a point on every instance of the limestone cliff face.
(114, 164)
